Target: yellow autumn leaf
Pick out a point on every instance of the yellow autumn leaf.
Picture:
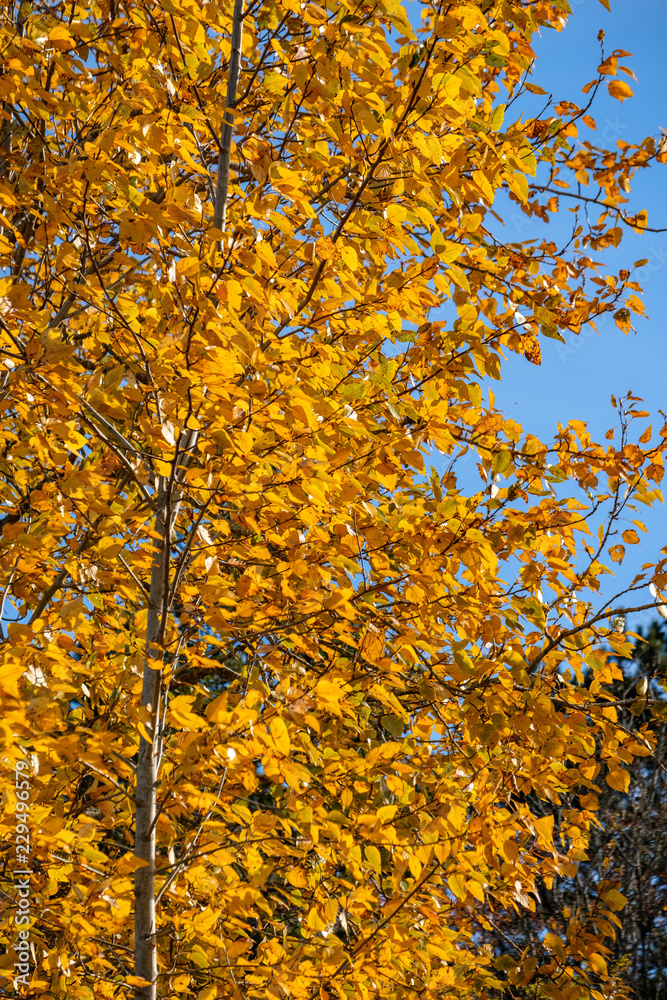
(60, 37)
(614, 899)
(372, 855)
(619, 779)
(325, 249)
(475, 889)
(619, 89)
(208, 992)
(457, 884)
(598, 964)
(438, 242)
(110, 547)
(349, 256)
(129, 864)
(280, 735)
(181, 715)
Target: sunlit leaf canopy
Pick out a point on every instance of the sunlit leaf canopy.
(367, 669)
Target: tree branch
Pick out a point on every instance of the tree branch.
(222, 183)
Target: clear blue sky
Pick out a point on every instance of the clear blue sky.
(577, 380)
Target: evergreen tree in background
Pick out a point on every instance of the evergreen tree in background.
(626, 857)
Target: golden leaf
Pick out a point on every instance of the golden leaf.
(325, 249)
(618, 779)
(619, 89)
(531, 349)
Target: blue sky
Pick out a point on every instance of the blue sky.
(577, 380)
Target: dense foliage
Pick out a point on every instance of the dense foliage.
(626, 854)
(300, 714)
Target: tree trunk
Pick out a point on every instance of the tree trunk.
(222, 183)
(145, 951)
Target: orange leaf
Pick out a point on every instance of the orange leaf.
(619, 89)
(326, 249)
(618, 779)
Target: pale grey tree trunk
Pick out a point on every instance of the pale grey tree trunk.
(145, 949)
(168, 493)
(145, 942)
(222, 182)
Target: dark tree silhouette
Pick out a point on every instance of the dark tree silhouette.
(626, 853)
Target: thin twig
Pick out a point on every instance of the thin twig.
(183, 861)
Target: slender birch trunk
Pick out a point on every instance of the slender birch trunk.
(168, 495)
(145, 943)
(145, 964)
(222, 183)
